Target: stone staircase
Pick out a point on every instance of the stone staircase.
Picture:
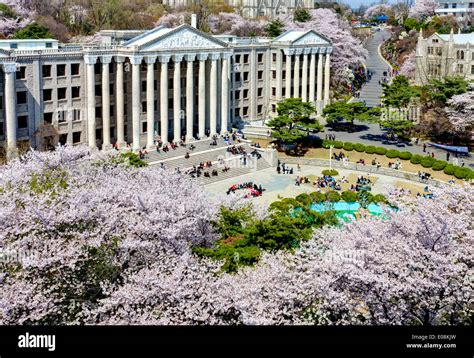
(175, 159)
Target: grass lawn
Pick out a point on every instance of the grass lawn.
(356, 156)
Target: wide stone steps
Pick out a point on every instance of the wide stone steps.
(233, 173)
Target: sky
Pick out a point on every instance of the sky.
(357, 3)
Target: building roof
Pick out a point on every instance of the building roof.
(460, 39)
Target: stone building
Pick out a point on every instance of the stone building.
(136, 87)
(440, 56)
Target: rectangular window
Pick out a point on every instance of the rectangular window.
(274, 74)
(246, 93)
(49, 45)
(430, 50)
(76, 137)
(237, 112)
(472, 70)
(237, 94)
(260, 92)
(143, 107)
(61, 93)
(76, 92)
(245, 111)
(259, 109)
(48, 117)
(274, 108)
(260, 75)
(260, 57)
(75, 68)
(21, 97)
(97, 68)
(21, 73)
(112, 110)
(2, 131)
(283, 91)
(143, 86)
(22, 122)
(46, 71)
(98, 112)
(237, 58)
(283, 74)
(144, 127)
(98, 90)
(274, 57)
(246, 76)
(76, 115)
(61, 70)
(238, 77)
(47, 95)
(14, 46)
(246, 58)
(1, 102)
(274, 91)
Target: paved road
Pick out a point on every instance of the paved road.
(372, 90)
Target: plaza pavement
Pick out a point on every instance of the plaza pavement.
(283, 185)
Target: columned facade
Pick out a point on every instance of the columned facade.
(9, 70)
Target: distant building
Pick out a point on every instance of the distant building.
(255, 8)
(440, 56)
(463, 10)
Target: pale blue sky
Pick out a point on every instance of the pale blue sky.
(357, 3)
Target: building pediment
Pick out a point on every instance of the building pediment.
(181, 38)
(311, 38)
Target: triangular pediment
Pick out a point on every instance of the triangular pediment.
(182, 37)
(312, 38)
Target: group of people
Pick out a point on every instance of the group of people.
(395, 165)
(327, 181)
(284, 169)
(255, 190)
(363, 181)
(302, 180)
(142, 154)
(331, 136)
(424, 176)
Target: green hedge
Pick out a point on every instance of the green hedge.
(359, 147)
(338, 145)
(348, 146)
(449, 169)
(392, 153)
(333, 196)
(370, 149)
(330, 172)
(405, 155)
(379, 198)
(349, 196)
(462, 173)
(416, 159)
(380, 151)
(304, 199)
(427, 162)
(439, 165)
(318, 197)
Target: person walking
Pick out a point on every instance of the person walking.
(424, 147)
(447, 156)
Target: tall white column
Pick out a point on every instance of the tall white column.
(225, 93)
(150, 101)
(190, 96)
(177, 114)
(312, 78)
(319, 92)
(202, 95)
(9, 70)
(136, 62)
(304, 80)
(90, 76)
(213, 95)
(288, 77)
(164, 98)
(119, 102)
(279, 70)
(106, 60)
(296, 86)
(327, 69)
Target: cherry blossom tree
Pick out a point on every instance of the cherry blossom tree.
(234, 24)
(19, 19)
(348, 51)
(408, 67)
(86, 239)
(376, 10)
(423, 9)
(460, 111)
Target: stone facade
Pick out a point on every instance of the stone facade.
(440, 56)
(167, 84)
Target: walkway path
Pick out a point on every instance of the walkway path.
(372, 90)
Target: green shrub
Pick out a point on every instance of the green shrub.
(326, 143)
(439, 165)
(370, 149)
(304, 199)
(133, 159)
(380, 150)
(349, 196)
(379, 198)
(318, 197)
(427, 162)
(416, 159)
(449, 169)
(461, 173)
(405, 155)
(348, 146)
(333, 196)
(338, 145)
(330, 172)
(392, 153)
(359, 147)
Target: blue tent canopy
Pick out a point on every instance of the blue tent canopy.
(450, 148)
(382, 18)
